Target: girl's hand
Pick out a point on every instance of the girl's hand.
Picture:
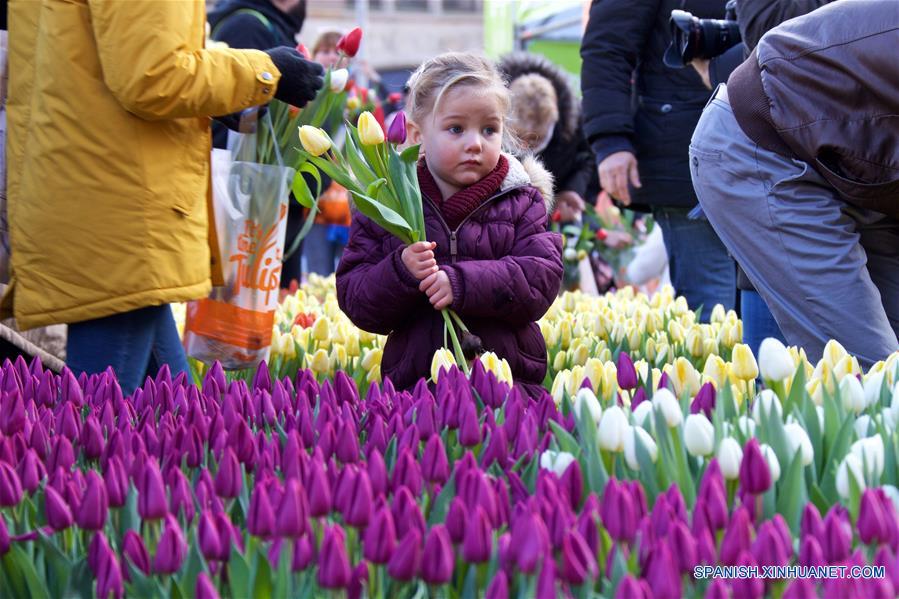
(419, 259)
(437, 287)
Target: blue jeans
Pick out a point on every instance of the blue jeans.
(322, 250)
(701, 269)
(758, 322)
(135, 344)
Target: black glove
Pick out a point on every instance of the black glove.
(300, 78)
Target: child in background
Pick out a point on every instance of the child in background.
(488, 256)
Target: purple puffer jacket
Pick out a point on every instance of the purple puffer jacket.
(505, 269)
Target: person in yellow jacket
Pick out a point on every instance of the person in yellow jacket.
(108, 152)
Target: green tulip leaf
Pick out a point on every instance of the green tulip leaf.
(410, 154)
(791, 496)
(262, 580)
(440, 506)
(384, 217)
(567, 443)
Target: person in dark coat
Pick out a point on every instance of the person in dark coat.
(262, 24)
(796, 163)
(488, 256)
(638, 117)
(547, 122)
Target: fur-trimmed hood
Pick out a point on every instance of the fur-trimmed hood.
(530, 171)
(512, 66)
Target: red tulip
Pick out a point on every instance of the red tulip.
(348, 45)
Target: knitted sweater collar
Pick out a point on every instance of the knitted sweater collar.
(462, 203)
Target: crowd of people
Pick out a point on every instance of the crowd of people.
(774, 194)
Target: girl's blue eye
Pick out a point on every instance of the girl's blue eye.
(489, 130)
(455, 129)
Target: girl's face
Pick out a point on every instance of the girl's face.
(327, 57)
(462, 139)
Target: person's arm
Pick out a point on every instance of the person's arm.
(162, 78)
(518, 288)
(756, 17)
(376, 291)
(616, 34)
(584, 169)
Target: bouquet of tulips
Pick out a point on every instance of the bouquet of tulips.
(383, 183)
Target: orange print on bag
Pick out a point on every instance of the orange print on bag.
(258, 258)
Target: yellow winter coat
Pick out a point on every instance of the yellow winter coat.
(109, 141)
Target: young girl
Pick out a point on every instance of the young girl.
(488, 256)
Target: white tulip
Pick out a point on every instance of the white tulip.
(586, 399)
(556, 461)
(861, 425)
(849, 464)
(630, 446)
(852, 393)
(889, 419)
(820, 411)
(872, 385)
(769, 400)
(665, 401)
(612, 428)
(773, 462)
(642, 412)
(798, 440)
(894, 402)
(730, 455)
(699, 435)
(570, 254)
(870, 454)
(746, 426)
(775, 363)
(338, 80)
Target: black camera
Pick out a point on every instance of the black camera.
(700, 38)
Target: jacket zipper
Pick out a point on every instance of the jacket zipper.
(454, 246)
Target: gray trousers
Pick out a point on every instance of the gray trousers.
(825, 268)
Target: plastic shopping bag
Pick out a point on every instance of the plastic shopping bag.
(234, 324)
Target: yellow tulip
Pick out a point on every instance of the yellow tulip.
(579, 354)
(443, 360)
(743, 363)
(559, 384)
(352, 345)
(716, 369)
(594, 370)
(338, 357)
(371, 359)
(560, 361)
(321, 330)
(565, 333)
(353, 103)
(718, 313)
(676, 332)
(314, 140)
(684, 377)
(680, 306)
(498, 366)
(370, 132)
(374, 375)
(833, 352)
(694, 342)
(319, 362)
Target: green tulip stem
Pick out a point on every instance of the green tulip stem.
(457, 347)
(458, 320)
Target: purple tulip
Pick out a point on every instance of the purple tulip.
(31, 471)
(704, 401)
(292, 520)
(319, 490)
(4, 537)
(229, 478)
(683, 546)
(572, 482)
(438, 560)
(377, 473)
(627, 374)
(151, 500)
(478, 538)
(768, 548)
(116, 480)
(800, 588)
(546, 581)
(749, 587)
(208, 536)
(405, 561)
(499, 586)
(396, 133)
(426, 417)
(12, 417)
(618, 513)
(406, 513)
(718, 590)
(347, 449)
(59, 516)
(380, 537)
(109, 578)
(10, 486)
(530, 541)
(333, 564)
(631, 588)
(662, 573)
(205, 589)
(890, 562)
(171, 550)
(94, 503)
(303, 554)
(639, 397)
(457, 520)
(133, 548)
(737, 537)
(755, 476)
(407, 472)
(180, 497)
(811, 523)
(837, 536)
(469, 426)
(358, 512)
(810, 552)
(434, 464)
(578, 562)
(261, 518)
(91, 439)
(873, 518)
(497, 448)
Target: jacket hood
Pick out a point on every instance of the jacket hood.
(288, 24)
(529, 171)
(512, 66)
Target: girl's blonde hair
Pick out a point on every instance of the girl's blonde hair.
(435, 77)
